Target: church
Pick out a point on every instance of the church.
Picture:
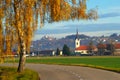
(82, 49)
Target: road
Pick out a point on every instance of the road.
(59, 72)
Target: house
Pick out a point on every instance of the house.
(46, 53)
(117, 49)
(107, 47)
(61, 53)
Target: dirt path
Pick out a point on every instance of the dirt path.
(59, 72)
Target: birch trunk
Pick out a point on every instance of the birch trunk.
(22, 60)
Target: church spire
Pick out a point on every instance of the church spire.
(77, 35)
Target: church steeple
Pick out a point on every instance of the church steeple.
(77, 34)
(77, 40)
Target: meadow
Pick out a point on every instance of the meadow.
(111, 63)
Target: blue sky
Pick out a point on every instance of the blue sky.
(107, 23)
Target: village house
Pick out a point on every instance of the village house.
(117, 49)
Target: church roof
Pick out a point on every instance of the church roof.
(82, 47)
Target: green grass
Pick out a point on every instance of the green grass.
(111, 63)
(8, 73)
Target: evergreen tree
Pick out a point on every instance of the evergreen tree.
(57, 51)
(66, 50)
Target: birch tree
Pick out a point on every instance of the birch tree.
(20, 18)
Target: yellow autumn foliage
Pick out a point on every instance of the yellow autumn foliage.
(21, 17)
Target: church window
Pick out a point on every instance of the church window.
(77, 43)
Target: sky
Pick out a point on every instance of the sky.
(107, 23)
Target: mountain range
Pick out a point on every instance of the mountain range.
(51, 43)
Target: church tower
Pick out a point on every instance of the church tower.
(77, 40)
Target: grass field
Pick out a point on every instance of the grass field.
(8, 73)
(103, 62)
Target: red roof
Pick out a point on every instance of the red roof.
(102, 46)
(82, 47)
(117, 46)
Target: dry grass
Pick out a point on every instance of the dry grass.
(8, 73)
